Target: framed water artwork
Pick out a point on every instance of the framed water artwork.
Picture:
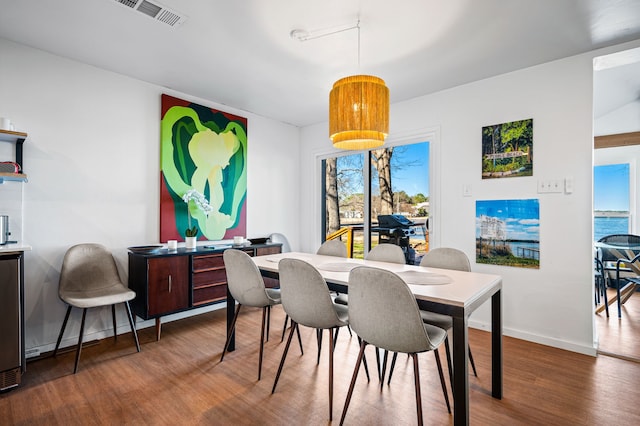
(203, 172)
(508, 232)
(507, 150)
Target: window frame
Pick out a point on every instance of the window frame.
(431, 135)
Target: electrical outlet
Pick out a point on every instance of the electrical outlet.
(32, 353)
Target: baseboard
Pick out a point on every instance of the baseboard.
(542, 340)
(123, 328)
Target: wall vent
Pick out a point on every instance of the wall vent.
(156, 11)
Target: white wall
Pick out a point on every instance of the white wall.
(551, 305)
(92, 158)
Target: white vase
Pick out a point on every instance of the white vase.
(190, 242)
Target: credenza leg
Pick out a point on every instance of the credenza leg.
(158, 328)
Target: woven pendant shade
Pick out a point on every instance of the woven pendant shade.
(359, 112)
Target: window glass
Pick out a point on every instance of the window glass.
(611, 200)
(397, 190)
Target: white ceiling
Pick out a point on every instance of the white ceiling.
(240, 53)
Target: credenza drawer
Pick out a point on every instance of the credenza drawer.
(209, 277)
(209, 294)
(203, 263)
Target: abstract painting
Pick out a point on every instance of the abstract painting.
(203, 152)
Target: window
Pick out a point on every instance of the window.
(359, 188)
(611, 200)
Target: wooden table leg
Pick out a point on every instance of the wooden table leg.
(158, 328)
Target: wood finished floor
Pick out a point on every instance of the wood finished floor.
(620, 336)
(179, 380)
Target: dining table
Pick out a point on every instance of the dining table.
(621, 260)
(445, 291)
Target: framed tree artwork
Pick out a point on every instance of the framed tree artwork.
(203, 172)
(507, 149)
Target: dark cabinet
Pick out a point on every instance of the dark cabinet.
(12, 354)
(167, 282)
(168, 285)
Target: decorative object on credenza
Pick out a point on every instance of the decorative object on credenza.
(205, 150)
(507, 149)
(508, 232)
(197, 206)
(145, 249)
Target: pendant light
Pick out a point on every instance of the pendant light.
(358, 111)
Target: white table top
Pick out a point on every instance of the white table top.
(444, 286)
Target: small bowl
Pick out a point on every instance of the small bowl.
(145, 249)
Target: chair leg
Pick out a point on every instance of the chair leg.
(284, 327)
(442, 383)
(364, 362)
(64, 325)
(113, 317)
(268, 320)
(294, 326)
(606, 299)
(84, 314)
(473, 364)
(265, 311)
(230, 331)
(619, 303)
(393, 364)
(416, 375)
(378, 363)
(363, 345)
(299, 338)
(331, 347)
(384, 368)
(449, 364)
(319, 338)
(133, 325)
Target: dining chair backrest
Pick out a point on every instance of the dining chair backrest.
(384, 312)
(87, 268)
(446, 258)
(281, 239)
(305, 295)
(244, 280)
(333, 248)
(387, 253)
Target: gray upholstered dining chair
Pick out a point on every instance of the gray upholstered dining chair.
(333, 248)
(385, 252)
(383, 312)
(381, 253)
(89, 278)
(307, 301)
(446, 258)
(246, 285)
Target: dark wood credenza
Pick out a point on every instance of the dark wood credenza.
(171, 281)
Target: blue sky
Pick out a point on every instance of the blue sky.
(521, 216)
(611, 187)
(413, 179)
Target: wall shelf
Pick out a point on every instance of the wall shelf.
(17, 138)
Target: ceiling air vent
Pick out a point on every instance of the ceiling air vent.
(156, 11)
